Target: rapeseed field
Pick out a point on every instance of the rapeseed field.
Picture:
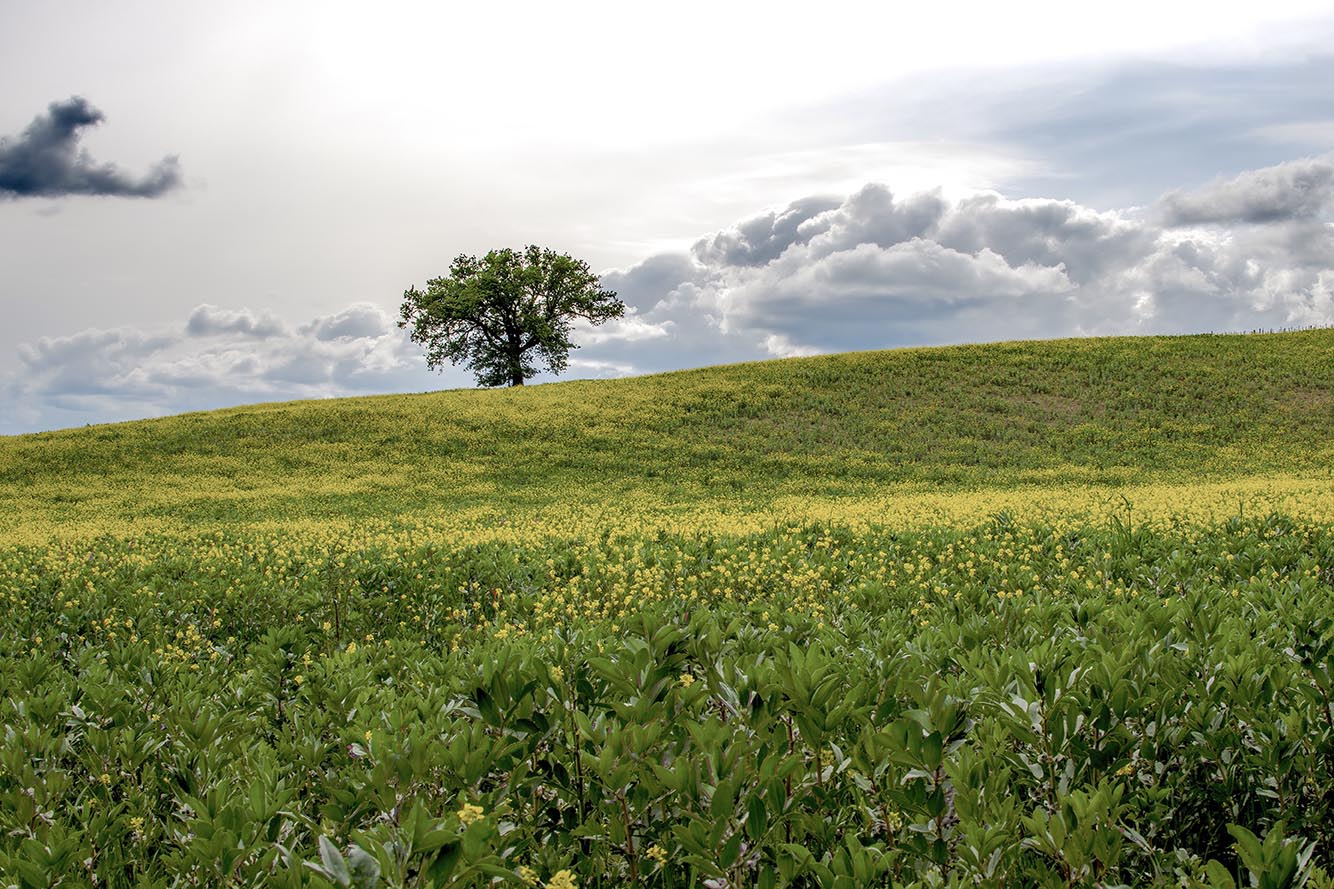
(1035, 614)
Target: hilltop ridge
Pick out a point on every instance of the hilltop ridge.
(1106, 411)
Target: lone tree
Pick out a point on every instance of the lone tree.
(507, 315)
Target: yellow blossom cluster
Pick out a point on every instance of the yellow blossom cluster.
(291, 550)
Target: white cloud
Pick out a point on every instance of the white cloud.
(360, 321)
(207, 320)
(1298, 189)
(630, 329)
(780, 346)
(216, 357)
(873, 270)
(879, 270)
(600, 369)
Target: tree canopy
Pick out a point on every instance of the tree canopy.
(508, 315)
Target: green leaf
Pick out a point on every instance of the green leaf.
(932, 746)
(757, 817)
(1218, 876)
(731, 849)
(442, 866)
(1249, 848)
(365, 869)
(335, 868)
(486, 705)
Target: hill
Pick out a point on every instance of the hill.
(1177, 411)
(879, 619)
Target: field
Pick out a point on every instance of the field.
(1031, 614)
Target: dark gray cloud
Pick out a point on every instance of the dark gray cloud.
(46, 161)
(1295, 190)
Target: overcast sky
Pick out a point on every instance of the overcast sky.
(206, 205)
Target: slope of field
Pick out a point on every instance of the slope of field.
(861, 427)
(1034, 614)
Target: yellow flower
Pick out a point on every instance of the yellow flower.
(298, 679)
(468, 814)
(137, 823)
(557, 673)
(563, 879)
(658, 854)
(326, 626)
(351, 647)
(105, 779)
(369, 733)
(687, 680)
(528, 875)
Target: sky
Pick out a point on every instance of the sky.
(212, 204)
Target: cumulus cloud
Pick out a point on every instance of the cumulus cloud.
(763, 238)
(215, 358)
(225, 356)
(207, 320)
(362, 321)
(88, 361)
(878, 270)
(46, 161)
(630, 329)
(1296, 190)
(831, 299)
(780, 346)
(873, 270)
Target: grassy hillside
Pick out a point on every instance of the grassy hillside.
(1107, 412)
(1033, 614)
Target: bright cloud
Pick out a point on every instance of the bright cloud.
(871, 270)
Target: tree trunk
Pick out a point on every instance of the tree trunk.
(514, 358)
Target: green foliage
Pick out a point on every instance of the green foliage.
(683, 630)
(1156, 701)
(506, 315)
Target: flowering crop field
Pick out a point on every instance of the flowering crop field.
(1056, 614)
